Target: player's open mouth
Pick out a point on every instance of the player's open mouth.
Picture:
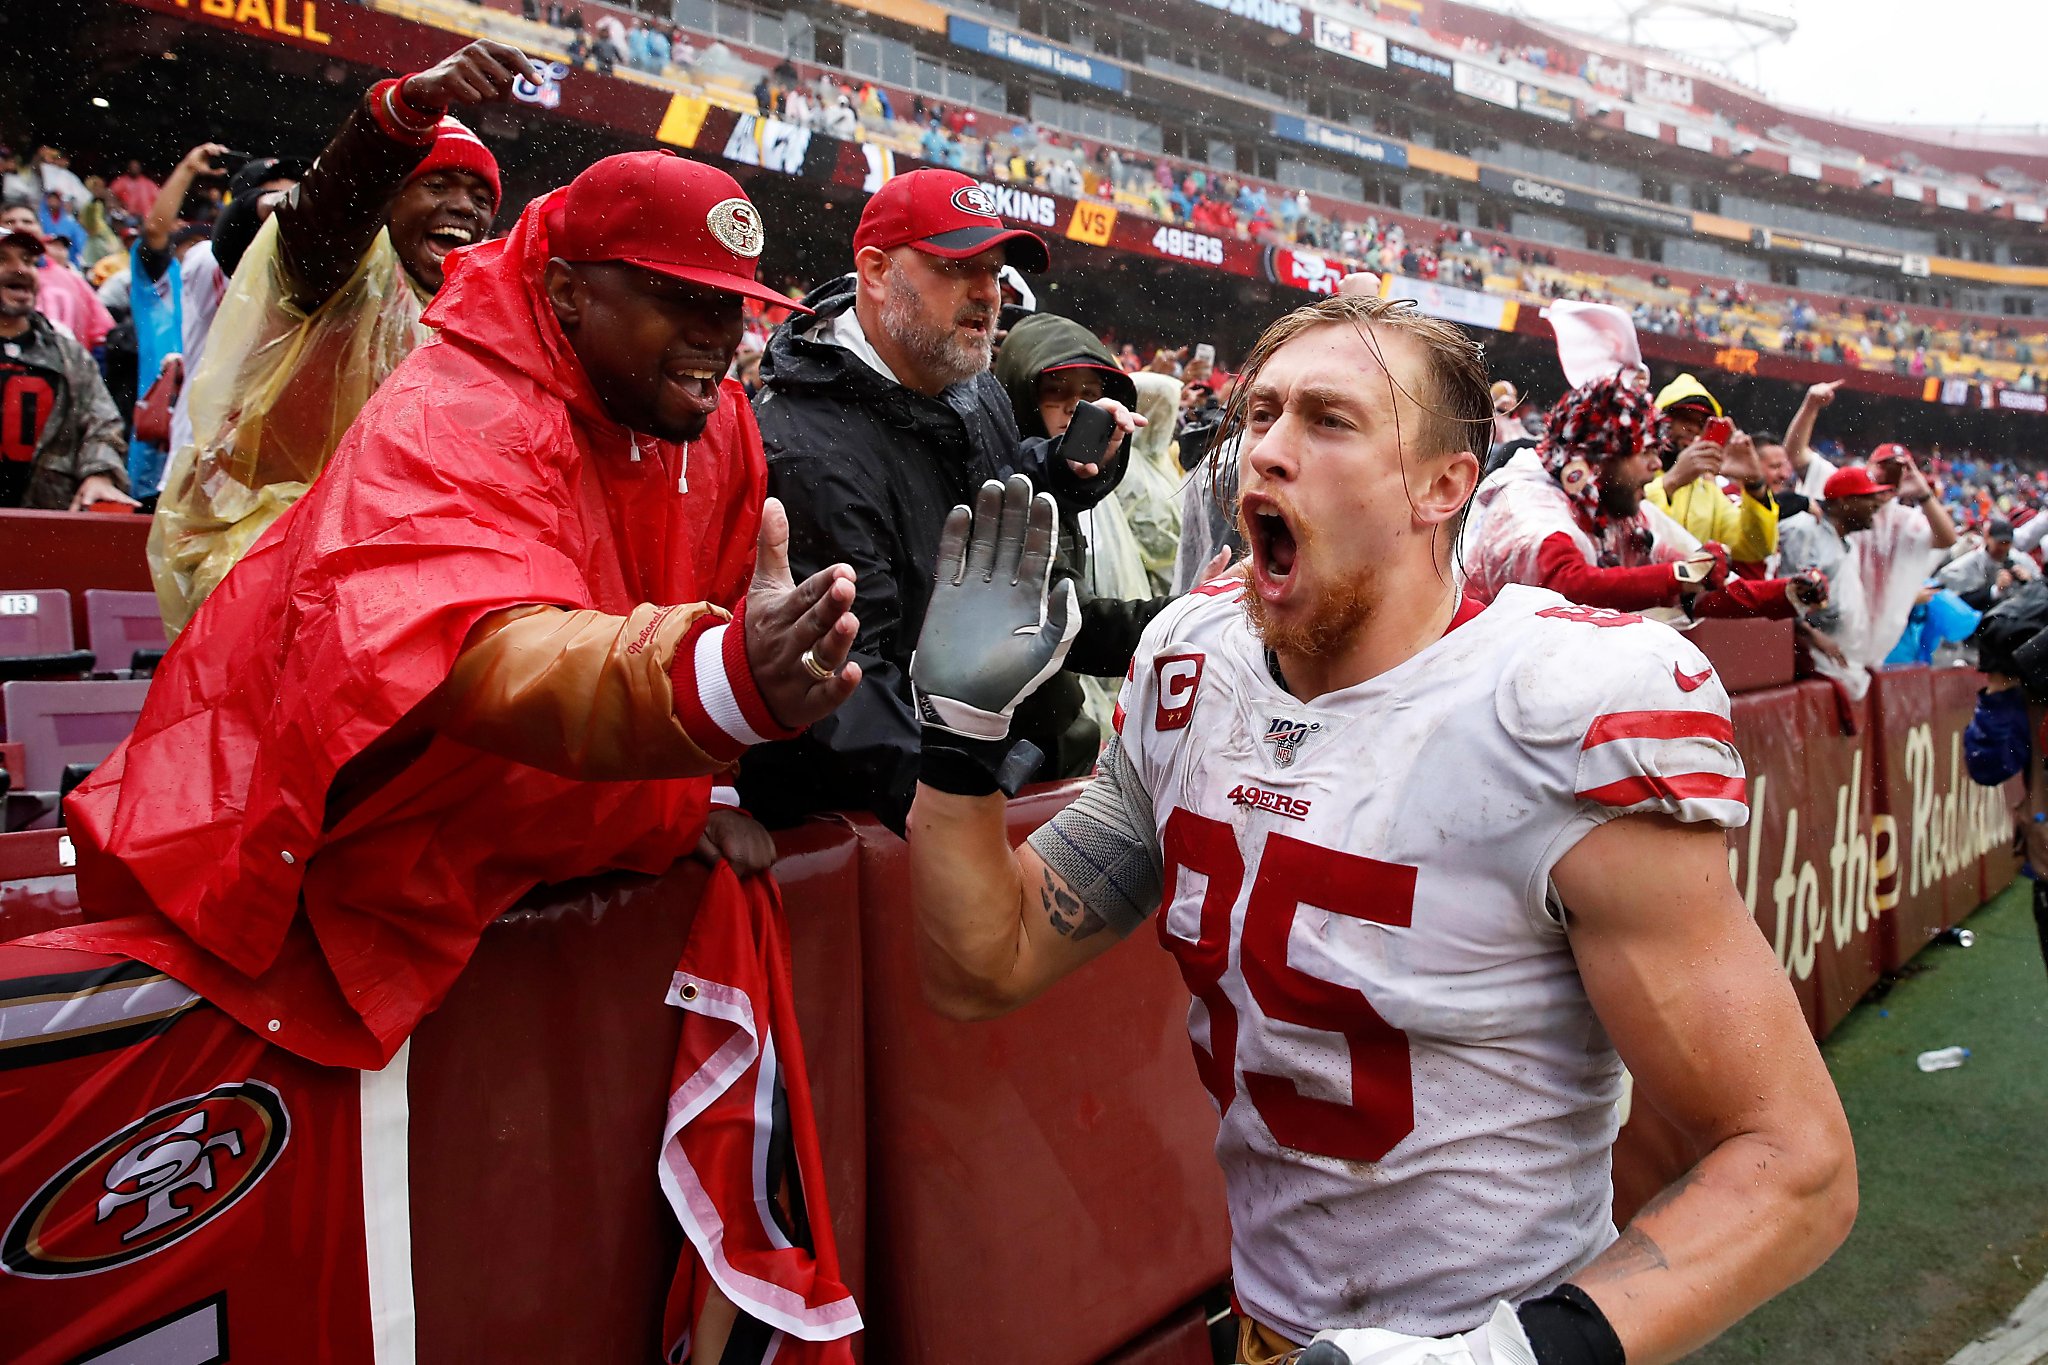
(1272, 545)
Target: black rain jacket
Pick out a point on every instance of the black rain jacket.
(867, 470)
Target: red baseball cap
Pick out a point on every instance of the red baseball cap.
(944, 213)
(1890, 451)
(1852, 481)
(665, 213)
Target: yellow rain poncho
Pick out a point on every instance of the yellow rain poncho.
(269, 404)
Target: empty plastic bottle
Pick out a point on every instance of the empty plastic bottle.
(1944, 1059)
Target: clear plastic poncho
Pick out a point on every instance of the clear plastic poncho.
(1150, 492)
(269, 404)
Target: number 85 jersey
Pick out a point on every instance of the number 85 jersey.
(1417, 1101)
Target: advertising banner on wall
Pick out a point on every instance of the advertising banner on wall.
(1483, 83)
(1842, 253)
(1278, 14)
(1428, 63)
(1453, 304)
(1544, 102)
(1359, 44)
(1348, 141)
(1036, 53)
(1550, 194)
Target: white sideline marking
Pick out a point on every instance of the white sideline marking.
(2023, 1340)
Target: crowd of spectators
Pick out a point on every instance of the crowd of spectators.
(131, 268)
(1189, 194)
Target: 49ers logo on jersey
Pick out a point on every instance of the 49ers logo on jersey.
(1258, 798)
(1176, 676)
(155, 1182)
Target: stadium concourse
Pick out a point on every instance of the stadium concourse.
(478, 881)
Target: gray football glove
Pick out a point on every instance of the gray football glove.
(992, 633)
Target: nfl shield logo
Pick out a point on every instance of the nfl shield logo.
(1286, 736)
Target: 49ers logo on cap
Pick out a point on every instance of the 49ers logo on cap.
(975, 199)
(737, 226)
(155, 1182)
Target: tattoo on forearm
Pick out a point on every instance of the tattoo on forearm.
(1665, 1197)
(1635, 1252)
(1069, 917)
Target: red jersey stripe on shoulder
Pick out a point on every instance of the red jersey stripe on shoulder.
(1659, 725)
(1680, 787)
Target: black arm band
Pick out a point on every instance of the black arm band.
(974, 767)
(1567, 1328)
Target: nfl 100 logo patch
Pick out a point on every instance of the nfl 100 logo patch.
(1286, 736)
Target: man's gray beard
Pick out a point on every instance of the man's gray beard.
(945, 355)
(9, 311)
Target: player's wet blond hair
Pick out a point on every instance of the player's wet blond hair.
(1457, 399)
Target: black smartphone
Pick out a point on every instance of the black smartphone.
(1090, 434)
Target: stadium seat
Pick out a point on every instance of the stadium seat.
(36, 621)
(119, 625)
(57, 723)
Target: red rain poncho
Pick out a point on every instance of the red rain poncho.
(331, 915)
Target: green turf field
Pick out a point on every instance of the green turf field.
(1953, 1228)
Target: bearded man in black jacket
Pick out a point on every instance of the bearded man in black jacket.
(879, 415)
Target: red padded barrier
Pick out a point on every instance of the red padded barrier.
(1749, 655)
(1915, 908)
(1974, 827)
(1041, 1186)
(1182, 1339)
(539, 1090)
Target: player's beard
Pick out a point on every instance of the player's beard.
(946, 355)
(1334, 616)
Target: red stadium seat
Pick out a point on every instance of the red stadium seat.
(35, 621)
(59, 723)
(120, 623)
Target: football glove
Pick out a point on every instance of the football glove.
(993, 631)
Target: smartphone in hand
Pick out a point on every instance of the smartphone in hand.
(1090, 436)
(1718, 430)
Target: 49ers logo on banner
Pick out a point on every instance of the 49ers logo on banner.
(151, 1184)
(1176, 677)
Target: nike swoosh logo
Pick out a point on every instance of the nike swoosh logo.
(1689, 684)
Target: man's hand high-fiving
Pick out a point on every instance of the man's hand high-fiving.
(798, 634)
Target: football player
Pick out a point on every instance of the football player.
(1432, 874)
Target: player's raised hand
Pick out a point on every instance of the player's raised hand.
(798, 634)
(995, 630)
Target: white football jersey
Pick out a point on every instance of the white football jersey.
(1417, 1100)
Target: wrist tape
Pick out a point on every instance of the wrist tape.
(1566, 1327)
